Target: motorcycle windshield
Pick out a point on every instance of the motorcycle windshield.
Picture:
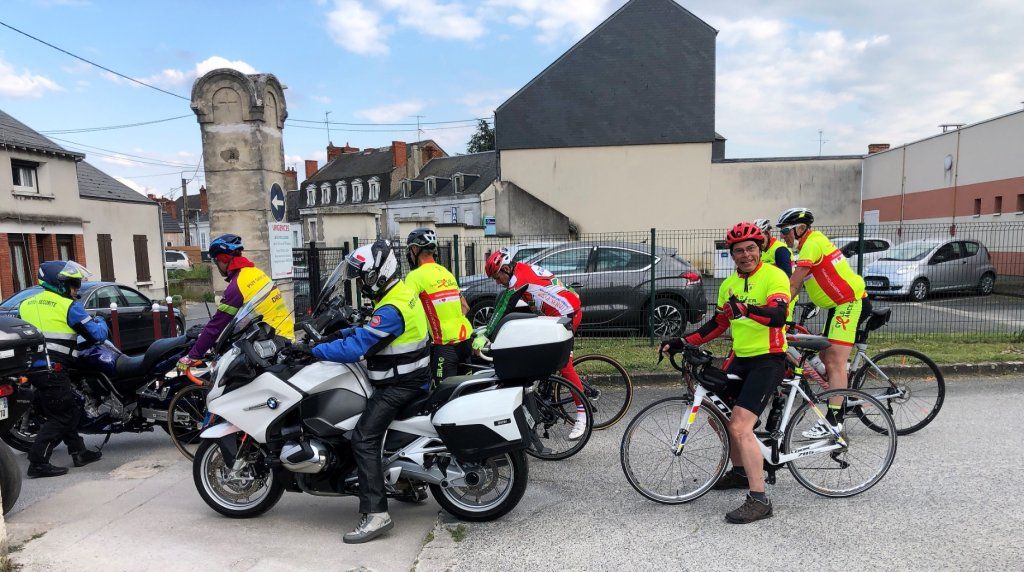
(332, 287)
(244, 318)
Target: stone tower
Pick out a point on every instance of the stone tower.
(241, 118)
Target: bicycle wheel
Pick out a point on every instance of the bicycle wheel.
(608, 387)
(648, 451)
(908, 383)
(554, 416)
(870, 445)
(185, 419)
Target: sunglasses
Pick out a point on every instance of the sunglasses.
(785, 229)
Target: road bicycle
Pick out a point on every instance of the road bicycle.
(677, 448)
(908, 382)
(187, 415)
(607, 386)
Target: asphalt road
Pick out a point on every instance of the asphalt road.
(949, 501)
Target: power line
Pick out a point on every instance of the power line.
(413, 130)
(90, 62)
(109, 127)
(321, 122)
(129, 156)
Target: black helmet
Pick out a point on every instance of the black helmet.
(798, 215)
(423, 238)
(375, 266)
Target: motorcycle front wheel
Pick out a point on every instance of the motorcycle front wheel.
(250, 492)
(493, 487)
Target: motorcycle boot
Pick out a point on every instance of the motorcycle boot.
(83, 458)
(371, 525)
(44, 470)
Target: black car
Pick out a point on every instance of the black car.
(613, 280)
(134, 309)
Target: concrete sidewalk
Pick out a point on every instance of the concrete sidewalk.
(147, 515)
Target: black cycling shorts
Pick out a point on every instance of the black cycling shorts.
(759, 375)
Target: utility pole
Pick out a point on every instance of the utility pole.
(327, 123)
(821, 141)
(419, 132)
(184, 208)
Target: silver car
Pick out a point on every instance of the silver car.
(917, 268)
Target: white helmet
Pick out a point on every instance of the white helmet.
(765, 225)
(375, 266)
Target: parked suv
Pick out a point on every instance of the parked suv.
(613, 280)
(176, 260)
(919, 267)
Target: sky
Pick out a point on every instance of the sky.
(859, 71)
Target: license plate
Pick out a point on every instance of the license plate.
(873, 283)
(4, 412)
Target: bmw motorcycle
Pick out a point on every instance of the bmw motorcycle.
(281, 421)
(117, 393)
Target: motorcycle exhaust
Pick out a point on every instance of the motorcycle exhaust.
(453, 476)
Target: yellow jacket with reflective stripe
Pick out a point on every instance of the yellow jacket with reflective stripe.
(439, 292)
(251, 281)
(48, 311)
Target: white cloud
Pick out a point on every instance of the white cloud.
(215, 62)
(141, 189)
(392, 113)
(25, 84)
(357, 28)
(483, 104)
(174, 77)
(321, 99)
(452, 140)
(555, 20)
(119, 160)
(432, 18)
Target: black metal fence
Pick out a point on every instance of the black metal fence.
(942, 280)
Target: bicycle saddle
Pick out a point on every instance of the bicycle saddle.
(808, 342)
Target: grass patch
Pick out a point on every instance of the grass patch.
(637, 355)
(429, 538)
(458, 532)
(198, 272)
(7, 565)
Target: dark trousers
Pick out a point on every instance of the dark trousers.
(447, 361)
(62, 413)
(367, 440)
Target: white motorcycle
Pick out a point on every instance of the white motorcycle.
(280, 422)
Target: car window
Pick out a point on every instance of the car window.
(103, 297)
(970, 248)
(908, 251)
(17, 299)
(566, 261)
(524, 253)
(619, 259)
(945, 253)
(133, 298)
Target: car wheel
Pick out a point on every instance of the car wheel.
(987, 284)
(179, 325)
(919, 290)
(669, 318)
(480, 312)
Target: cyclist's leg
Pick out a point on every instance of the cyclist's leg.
(841, 331)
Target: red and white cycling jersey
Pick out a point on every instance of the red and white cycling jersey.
(545, 292)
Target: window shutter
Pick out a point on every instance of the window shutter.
(141, 258)
(106, 258)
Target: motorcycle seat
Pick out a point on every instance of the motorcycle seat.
(439, 396)
(138, 366)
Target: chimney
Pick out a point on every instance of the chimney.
(877, 148)
(333, 152)
(349, 149)
(311, 167)
(152, 197)
(171, 208)
(399, 152)
(291, 180)
(204, 204)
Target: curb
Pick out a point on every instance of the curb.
(984, 368)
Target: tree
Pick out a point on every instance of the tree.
(482, 140)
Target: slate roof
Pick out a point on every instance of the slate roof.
(362, 164)
(16, 135)
(483, 164)
(646, 75)
(95, 184)
(194, 202)
(170, 224)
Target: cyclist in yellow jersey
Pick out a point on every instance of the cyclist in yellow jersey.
(753, 302)
(822, 269)
(445, 307)
(773, 250)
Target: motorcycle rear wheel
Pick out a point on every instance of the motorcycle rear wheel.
(10, 478)
(510, 468)
(209, 472)
(22, 434)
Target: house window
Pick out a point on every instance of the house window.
(1020, 203)
(357, 191)
(375, 188)
(431, 185)
(341, 188)
(295, 239)
(310, 195)
(325, 194)
(65, 247)
(999, 205)
(406, 188)
(20, 261)
(24, 174)
(141, 258)
(312, 230)
(468, 217)
(202, 240)
(457, 183)
(977, 207)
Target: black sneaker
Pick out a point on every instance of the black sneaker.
(85, 457)
(751, 511)
(731, 480)
(43, 470)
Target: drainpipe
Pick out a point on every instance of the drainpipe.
(160, 227)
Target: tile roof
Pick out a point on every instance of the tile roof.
(16, 135)
(95, 184)
(646, 75)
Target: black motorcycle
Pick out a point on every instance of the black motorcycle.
(19, 341)
(117, 393)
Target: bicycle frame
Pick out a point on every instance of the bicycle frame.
(771, 453)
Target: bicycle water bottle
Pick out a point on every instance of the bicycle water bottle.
(819, 366)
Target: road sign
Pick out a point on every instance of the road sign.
(277, 202)
(280, 250)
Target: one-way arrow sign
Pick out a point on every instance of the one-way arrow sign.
(277, 202)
